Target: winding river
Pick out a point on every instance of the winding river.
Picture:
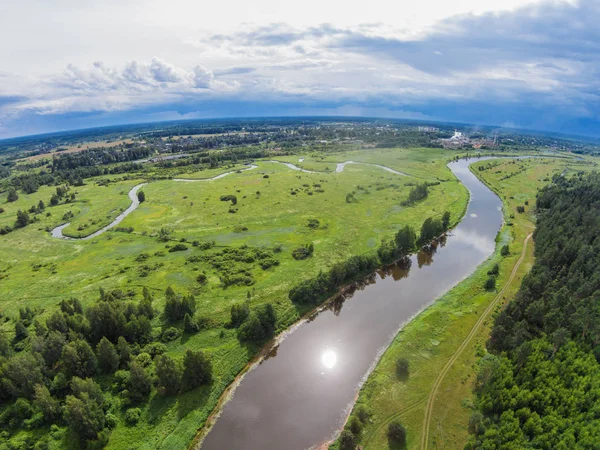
(299, 396)
(57, 232)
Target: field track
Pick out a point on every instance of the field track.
(472, 333)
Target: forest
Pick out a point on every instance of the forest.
(539, 387)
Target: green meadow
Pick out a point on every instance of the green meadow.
(276, 209)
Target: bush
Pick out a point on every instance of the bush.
(303, 252)
(355, 426)
(197, 370)
(259, 326)
(170, 334)
(520, 209)
(12, 195)
(141, 196)
(133, 415)
(178, 248)
(189, 324)
(168, 374)
(494, 270)
(313, 223)
(419, 192)
(227, 198)
(490, 283)
(505, 250)
(362, 413)
(239, 313)
(431, 229)
(201, 278)
(402, 367)
(110, 420)
(347, 440)
(22, 219)
(397, 433)
(176, 306)
(155, 348)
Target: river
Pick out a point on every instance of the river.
(57, 232)
(299, 397)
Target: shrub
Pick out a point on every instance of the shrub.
(164, 234)
(520, 209)
(176, 306)
(227, 198)
(178, 248)
(313, 223)
(133, 415)
(430, 229)
(12, 195)
(419, 192)
(239, 313)
(505, 250)
(303, 252)
(189, 324)
(402, 367)
(170, 334)
(490, 283)
(168, 373)
(362, 413)
(259, 325)
(494, 270)
(397, 433)
(355, 426)
(347, 440)
(22, 219)
(197, 370)
(201, 278)
(141, 196)
(110, 420)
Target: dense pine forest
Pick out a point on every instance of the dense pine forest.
(540, 385)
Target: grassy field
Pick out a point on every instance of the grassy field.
(274, 206)
(434, 337)
(78, 148)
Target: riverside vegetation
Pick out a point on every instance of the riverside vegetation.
(540, 385)
(391, 406)
(129, 339)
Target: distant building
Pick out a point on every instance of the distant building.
(457, 136)
(458, 140)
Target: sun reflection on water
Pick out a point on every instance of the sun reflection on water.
(329, 359)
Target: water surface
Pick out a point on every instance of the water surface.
(298, 397)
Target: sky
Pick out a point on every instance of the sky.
(68, 64)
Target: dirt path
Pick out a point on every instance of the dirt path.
(465, 343)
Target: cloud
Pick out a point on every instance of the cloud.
(534, 67)
(203, 77)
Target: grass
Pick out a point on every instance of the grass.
(39, 271)
(433, 337)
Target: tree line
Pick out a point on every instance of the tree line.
(325, 284)
(539, 387)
